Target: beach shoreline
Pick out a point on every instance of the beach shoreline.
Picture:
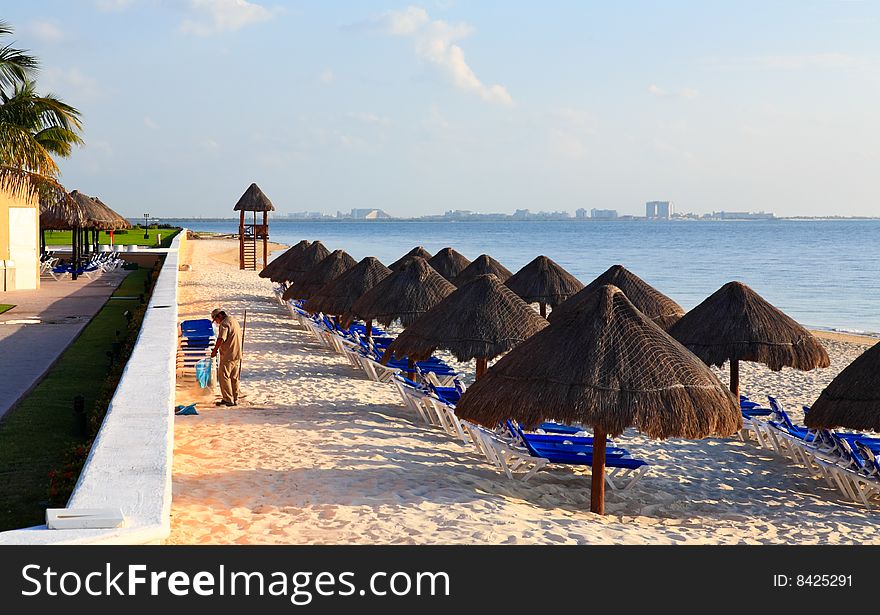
(319, 455)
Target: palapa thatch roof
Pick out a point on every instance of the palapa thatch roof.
(298, 265)
(543, 281)
(736, 323)
(337, 263)
(404, 295)
(480, 320)
(609, 366)
(417, 251)
(59, 212)
(448, 263)
(650, 301)
(253, 199)
(96, 215)
(339, 295)
(482, 265)
(121, 222)
(278, 263)
(852, 400)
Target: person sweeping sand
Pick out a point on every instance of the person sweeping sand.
(228, 344)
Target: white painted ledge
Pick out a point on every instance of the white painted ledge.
(129, 466)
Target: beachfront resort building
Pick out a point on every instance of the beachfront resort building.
(19, 240)
(603, 214)
(659, 210)
(369, 214)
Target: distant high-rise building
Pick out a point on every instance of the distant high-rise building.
(521, 213)
(369, 214)
(603, 214)
(659, 209)
(580, 213)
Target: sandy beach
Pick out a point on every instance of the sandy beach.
(317, 454)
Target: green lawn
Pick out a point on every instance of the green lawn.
(131, 236)
(38, 437)
(5, 307)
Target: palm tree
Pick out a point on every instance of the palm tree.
(33, 128)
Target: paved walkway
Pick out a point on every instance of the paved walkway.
(42, 325)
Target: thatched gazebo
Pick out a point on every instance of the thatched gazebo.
(650, 301)
(417, 251)
(337, 263)
(544, 282)
(339, 295)
(448, 263)
(736, 324)
(299, 265)
(852, 400)
(404, 295)
(249, 234)
(605, 365)
(482, 265)
(480, 320)
(276, 265)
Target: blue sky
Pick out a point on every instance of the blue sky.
(450, 104)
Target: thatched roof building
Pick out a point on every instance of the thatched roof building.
(852, 400)
(417, 251)
(482, 265)
(650, 301)
(736, 323)
(96, 216)
(122, 222)
(298, 265)
(253, 199)
(404, 295)
(59, 212)
(480, 320)
(339, 295)
(544, 282)
(337, 263)
(448, 263)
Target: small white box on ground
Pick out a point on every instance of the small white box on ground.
(84, 518)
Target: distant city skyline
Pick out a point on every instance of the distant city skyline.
(419, 108)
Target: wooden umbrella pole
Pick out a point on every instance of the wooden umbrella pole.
(411, 374)
(482, 365)
(73, 259)
(597, 492)
(243, 331)
(543, 308)
(369, 331)
(734, 378)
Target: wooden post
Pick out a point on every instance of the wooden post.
(369, 331)
(411, 374)
(597, 492)
(43, 241)
(543, 308)
(265, 238)
(73, 259)
(482, 365)
(734, 378)
(241, 241)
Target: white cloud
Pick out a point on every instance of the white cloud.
(71, 84)
(656, 90)
(570, 133)
(327, 77)
(45, 32)
(689, 93)
(434, 43)
(150, 123)
(214, 16)
(369, 118)
(113, 5)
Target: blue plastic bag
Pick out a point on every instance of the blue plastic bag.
(204, 372)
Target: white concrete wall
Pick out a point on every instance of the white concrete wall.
(129, 466)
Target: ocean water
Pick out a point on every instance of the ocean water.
(822, 273)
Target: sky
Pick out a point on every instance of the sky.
(490, 105)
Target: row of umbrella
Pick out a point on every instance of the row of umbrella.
(616, 353)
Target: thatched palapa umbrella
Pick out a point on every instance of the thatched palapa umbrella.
(544, 282)
(417, 251)
(852, 400)
(482, 265)
(650, 301)
(276, 265)
(298, 265)
(736, 324)
(448, 263)
(404, 295)
(339, 295)
(337, 263)
(480, 320)
(609, 366)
